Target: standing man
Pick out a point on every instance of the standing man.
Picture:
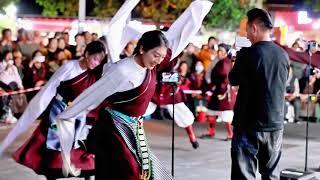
(261, 73)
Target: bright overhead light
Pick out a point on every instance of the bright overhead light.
(303, 18)
(11, 10)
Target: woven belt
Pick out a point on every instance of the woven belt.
(143, 150)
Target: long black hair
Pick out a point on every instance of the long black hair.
(150, 40)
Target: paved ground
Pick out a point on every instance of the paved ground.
(210, 161)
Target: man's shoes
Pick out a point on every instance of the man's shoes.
(195, 144)
(206, 136)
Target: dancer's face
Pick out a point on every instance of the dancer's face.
(153, 57)
(94, 60)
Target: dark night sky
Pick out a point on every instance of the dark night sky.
(30, 7)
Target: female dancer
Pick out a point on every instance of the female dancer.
(127, 87)
(42, 151)
(223, 95)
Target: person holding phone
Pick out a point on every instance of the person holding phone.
(8, 71)
(36, 73)
(208, 53)
(9, 81)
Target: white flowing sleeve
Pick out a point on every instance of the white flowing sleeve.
(36, 106)
(187, 25)
(114, 80)
(119, 34)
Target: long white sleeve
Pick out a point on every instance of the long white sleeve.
(39, 103)
(112, 81)
(187, 25)
(179, 34)
(117, 30)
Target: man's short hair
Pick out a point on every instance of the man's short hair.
(261, 17)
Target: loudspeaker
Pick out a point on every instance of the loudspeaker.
(292, 174)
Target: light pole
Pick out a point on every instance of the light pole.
(81, 15)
